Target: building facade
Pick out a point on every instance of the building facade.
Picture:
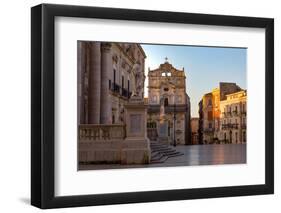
(107, 75)
(194, 125)
(210, 112)
(233, 127)
(200, 122)
(168, 105)
(207, 119)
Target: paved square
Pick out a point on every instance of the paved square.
(193, 155)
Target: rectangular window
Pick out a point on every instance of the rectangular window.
(210, 115)
(114, 76)
(179, 99)
(244, 136)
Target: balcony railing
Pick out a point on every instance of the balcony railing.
(117, 89)
(235, 113)
(125, 93)
(226, 114)
(100, 132)
(208, 130)
(243, 126)
(230, 126)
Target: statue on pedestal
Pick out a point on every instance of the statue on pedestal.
(139, 81)
(136, 146)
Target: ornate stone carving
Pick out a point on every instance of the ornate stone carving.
(106, 47)
(139, 80)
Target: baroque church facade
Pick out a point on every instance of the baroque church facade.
(168, 114)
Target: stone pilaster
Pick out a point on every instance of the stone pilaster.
(81, 69)
(94, 82)
(106, 68)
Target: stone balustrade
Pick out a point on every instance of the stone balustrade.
(168, 109)
(101, 132)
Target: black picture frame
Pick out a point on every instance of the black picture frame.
(43, 105)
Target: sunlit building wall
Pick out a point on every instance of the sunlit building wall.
(233, 128)
(210, 112)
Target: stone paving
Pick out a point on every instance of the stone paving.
(193, 155)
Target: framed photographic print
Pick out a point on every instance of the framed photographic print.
(139, 106)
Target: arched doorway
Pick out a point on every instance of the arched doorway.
(152, 130)
(166, 102)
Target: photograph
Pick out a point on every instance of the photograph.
(143, 105)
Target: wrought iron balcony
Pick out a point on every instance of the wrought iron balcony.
(115, 88)
(235, 113)
(125, 93)
(230, 126)
(226, 114)
(208, 130)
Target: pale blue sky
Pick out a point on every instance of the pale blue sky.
(204, 67)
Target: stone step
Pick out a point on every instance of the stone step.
(160, 158)
(161, 152)
(167, 152)
(159, 161)
(158, 145)
(174, 155)
(161, 149)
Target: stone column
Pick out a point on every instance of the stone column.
(81, 69)
(106, 68)
(94, 83)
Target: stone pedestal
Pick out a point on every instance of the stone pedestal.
(136, 146)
